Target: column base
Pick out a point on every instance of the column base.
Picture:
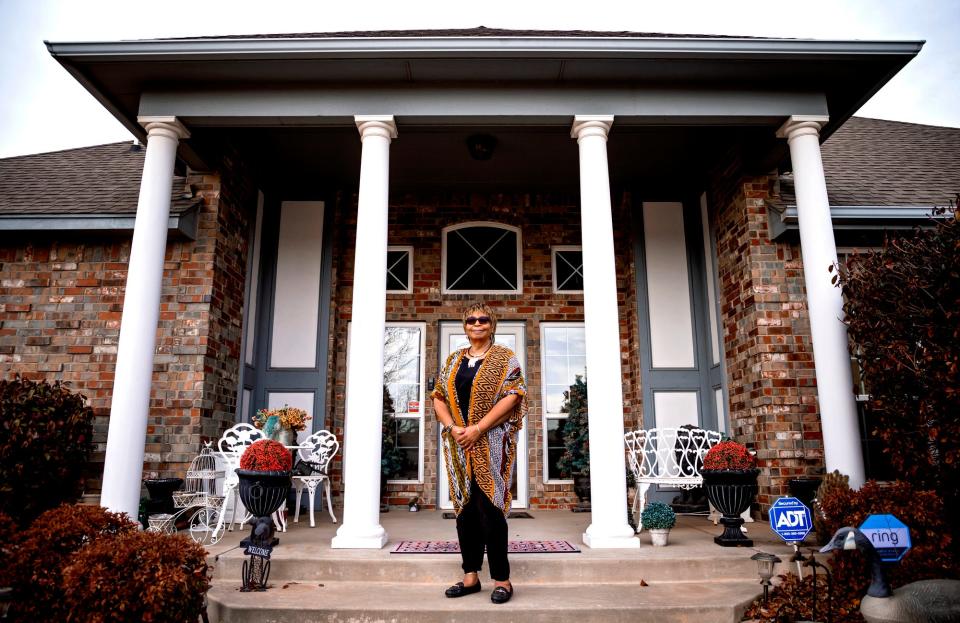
(366, 539)
(620, 539)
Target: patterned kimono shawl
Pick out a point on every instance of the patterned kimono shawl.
(490, 460)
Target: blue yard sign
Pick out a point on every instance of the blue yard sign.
(889, 536)
(790, 519)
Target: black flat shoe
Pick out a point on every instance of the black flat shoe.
(501, 595)
(459, 590)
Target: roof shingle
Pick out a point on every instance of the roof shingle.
(103, 179)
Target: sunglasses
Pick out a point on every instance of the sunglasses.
(475, 320)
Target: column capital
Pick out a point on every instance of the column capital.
(164, 126)
(591, 125)
(376, 125)
(802, 125)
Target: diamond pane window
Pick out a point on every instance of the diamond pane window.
(400, 269)
(567, 269)
(481, 258)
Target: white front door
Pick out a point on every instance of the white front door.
(511, 335)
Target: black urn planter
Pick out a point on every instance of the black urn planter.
(263, 492)
(161, 494)
(581, 486)
(731, 491)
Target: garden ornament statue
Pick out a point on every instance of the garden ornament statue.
(258, 546)
(926, 601)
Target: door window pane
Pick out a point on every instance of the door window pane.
(402, 376)
(399, 269)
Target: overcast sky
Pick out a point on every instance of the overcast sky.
(42, 108)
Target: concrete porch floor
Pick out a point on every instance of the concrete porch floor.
(691, 538)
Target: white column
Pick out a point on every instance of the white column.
(126, 436)
(361, 460)
(608, 483)
(838, 409)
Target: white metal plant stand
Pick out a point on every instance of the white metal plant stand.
(201, 496)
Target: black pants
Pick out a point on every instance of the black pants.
(481, 524)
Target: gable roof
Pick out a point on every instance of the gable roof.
(86, 188)
(874, 162)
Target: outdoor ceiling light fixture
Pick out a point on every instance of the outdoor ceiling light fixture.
(481, 146)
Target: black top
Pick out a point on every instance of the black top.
(463, 383)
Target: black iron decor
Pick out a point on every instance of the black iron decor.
(262, 493)
(258, 546)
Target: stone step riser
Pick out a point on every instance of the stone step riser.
(610, 615)
(535, 571)
(664, 602)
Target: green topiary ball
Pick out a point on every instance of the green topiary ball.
(657, 516)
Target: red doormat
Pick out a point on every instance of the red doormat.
(514, 547)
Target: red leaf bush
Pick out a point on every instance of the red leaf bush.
(45, 443)
(839, 506)
(902, 309)
(43, 550)
(266, 455)
(729, 455)
(137, 576)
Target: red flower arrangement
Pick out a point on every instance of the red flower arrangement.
(729, 455)
(266, 455)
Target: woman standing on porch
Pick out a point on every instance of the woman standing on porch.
(479, 400)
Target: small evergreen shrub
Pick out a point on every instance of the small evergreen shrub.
(392, 459)
(657, 516)
(137, 576)
(45, 443)
(266, 455)
(575, 459)
(44, 549)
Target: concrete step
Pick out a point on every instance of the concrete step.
(649, 564)
(341, 602)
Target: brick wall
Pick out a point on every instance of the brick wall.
(766, 334)
(417, 220)
(60, 307)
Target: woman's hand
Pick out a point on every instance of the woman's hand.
(466, 437)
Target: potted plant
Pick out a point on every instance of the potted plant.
(730, 479)
(281, 424)
(264, 476)
(657, 518)
(575, 460)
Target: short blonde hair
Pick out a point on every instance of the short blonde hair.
(481, 308)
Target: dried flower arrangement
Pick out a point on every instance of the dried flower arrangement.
(287, 417)
(266, 455)
(729, 455)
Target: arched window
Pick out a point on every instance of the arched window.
(481, 258)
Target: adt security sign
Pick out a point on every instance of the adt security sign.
(790, 519)
(889, 536)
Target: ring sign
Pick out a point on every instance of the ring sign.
(790, 519)
(889, 536)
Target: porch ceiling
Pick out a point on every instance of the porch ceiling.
(658, 160)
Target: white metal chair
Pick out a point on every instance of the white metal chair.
(316, 452)
(231, 446)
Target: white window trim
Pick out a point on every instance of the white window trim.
(443, 257)
(423, 383)
(553, 265)
(543, 398)
(409, 250)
